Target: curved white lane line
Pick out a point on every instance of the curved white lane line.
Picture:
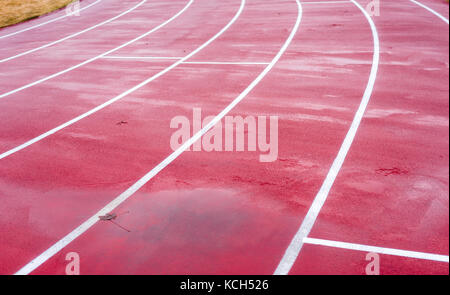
(73, 35)
(430, 10)
(141, 182)
(47, 22)
(296, 245)
(48, 133)
(94, 58)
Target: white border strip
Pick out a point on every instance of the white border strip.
(379, 250)
(325, 2)
(430, 10)
(296, 245)
(141, 57)
(47, 22)
(96, 57)
(73, 35)
(225, 63)
(186, 62)
(135, 187)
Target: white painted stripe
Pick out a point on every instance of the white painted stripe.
(73, 35)
(296, 245)
(325, 2)
(141, 57)
(54, 130)
(225, 63)
(431, 10)
(379, 250)
(48, 22)
(187, 62)
(96, 57)
(139, 184)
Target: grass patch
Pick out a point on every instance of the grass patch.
(16, 11)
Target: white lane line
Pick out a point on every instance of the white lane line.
(379, 250)
(187, 62)
(48, 133)
(48, 22)
(141, 182)
(141, 57)
(431, 10)
(325, 2)
(296, 245)
(73, 35)
(96, 57)
(225, 63)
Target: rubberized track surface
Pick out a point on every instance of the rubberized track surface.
(363, 104)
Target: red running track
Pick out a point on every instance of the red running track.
(225, 212)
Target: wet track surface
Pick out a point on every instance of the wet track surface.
(224, 212)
